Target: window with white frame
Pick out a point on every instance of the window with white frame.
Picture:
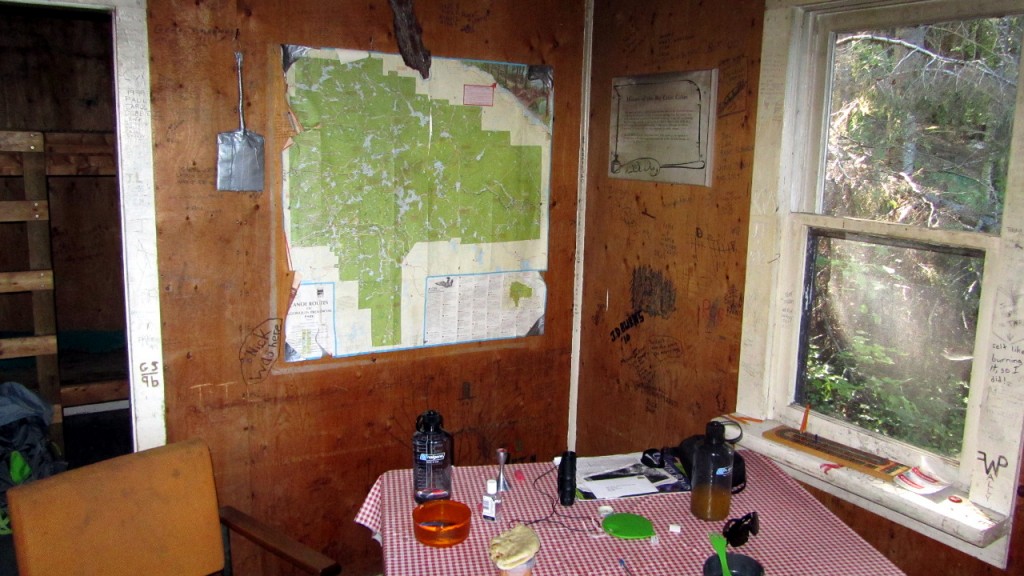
(885, 271)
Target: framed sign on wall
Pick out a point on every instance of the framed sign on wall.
(662, 127)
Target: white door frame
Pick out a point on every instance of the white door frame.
(138, 213)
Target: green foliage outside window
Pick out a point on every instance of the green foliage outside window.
(919, 135)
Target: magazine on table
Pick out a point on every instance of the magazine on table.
(624, 475)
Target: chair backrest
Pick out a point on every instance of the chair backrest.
(152, 512)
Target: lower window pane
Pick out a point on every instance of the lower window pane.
(888, 335)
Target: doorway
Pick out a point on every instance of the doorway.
(127, 115)
(56, 82)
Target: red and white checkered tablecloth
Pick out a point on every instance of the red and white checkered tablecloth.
(798, 535)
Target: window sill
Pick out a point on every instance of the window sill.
(961, 525)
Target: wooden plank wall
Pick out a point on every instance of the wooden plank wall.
(677, 254)
(85, 225)
(666, 261)
(303, 445)
(56, 76)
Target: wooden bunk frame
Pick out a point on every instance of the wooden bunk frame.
(35, 157)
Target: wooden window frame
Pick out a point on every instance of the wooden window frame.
(785, 192)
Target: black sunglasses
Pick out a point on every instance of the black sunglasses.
(738, 530)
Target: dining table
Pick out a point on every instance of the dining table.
(796, 534)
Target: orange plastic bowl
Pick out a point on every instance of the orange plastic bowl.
(441, 523)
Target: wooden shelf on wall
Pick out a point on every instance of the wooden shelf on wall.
(68, 154)
(94, 393)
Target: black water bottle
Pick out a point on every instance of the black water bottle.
(432, 459)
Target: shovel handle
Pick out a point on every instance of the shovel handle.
(241, 102)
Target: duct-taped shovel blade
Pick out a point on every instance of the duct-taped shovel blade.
(240, 161)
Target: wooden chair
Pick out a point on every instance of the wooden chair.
(153, 512)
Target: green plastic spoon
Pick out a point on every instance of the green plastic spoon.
(718, 542)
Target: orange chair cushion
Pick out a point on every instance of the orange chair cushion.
(152, 512)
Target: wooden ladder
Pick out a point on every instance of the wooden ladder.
(34, 213)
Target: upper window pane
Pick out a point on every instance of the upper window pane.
(920, 121)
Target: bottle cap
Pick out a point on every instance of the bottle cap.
(715, 432)
(429, 421)
(492, 486)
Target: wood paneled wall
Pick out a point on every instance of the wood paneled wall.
(56, 76)
(304, 445)
(85, 224)
(666, 260)
(677, 254)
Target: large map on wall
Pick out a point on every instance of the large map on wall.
(416, 211)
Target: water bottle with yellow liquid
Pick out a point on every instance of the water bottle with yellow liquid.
(711, 476)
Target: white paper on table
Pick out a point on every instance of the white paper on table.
(620, 487)
(591, 465)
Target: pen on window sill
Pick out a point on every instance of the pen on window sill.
(807, 413)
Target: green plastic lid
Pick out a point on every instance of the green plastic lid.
(628, 526)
